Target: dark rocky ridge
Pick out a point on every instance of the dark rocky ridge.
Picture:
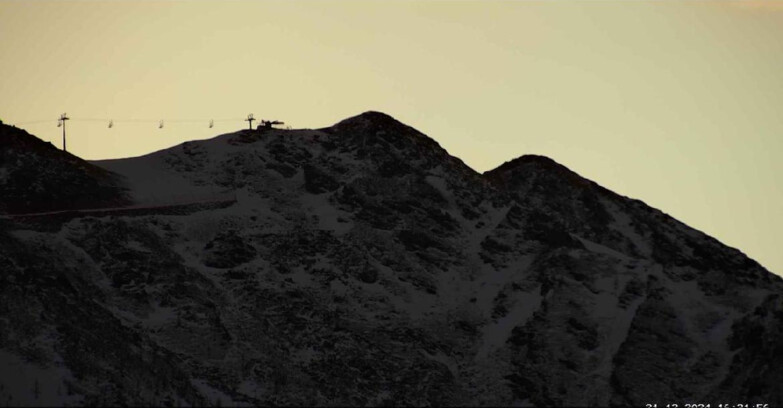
(35, 176)
(363, 265)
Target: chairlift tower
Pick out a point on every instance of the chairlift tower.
(61, 122)
(250, 120)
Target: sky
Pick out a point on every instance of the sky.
(677, 104)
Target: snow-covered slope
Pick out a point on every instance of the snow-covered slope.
(363, 265)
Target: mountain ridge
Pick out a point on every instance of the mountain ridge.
(31, 170)
(361, 264)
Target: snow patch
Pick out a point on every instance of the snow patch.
(624, 225)
(137, 246)
(23, 383)
(608, 314)
(441, 358)
(495, 334)
(601, 249)
(440, 184)
(160, 317)
(215, 397)
(329, 217)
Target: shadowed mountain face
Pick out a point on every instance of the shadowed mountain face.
(35, 176)
(363, 265)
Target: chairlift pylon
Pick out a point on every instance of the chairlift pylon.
(211, 123)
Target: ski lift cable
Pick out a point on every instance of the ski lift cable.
(28, 122)
(120, 120)
(78, 119)
(116, 121)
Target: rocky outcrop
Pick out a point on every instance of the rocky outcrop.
(35, 177)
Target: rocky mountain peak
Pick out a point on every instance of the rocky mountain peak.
(528, 170)
(376, 130)
(371, 122)
(371, 117)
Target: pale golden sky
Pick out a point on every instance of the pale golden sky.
(674, 103)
